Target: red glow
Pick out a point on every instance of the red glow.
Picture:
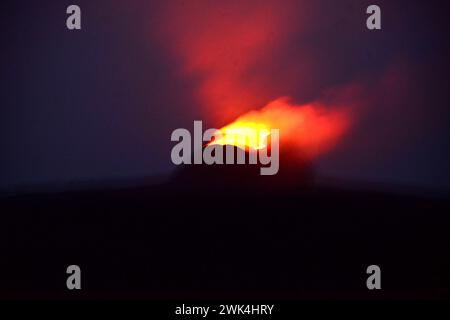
(225, 47)
(312, 129)
(228, 48)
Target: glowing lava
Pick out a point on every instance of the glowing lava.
(250, 135)
(234, 52)
(311, 129)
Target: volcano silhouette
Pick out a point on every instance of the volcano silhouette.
(294, 172)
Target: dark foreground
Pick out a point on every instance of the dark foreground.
(228, 243)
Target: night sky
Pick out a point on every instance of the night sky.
(101, 103)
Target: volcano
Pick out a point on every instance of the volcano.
(295, 172)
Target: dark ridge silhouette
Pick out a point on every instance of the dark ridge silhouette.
(294, 172)
(221, 232)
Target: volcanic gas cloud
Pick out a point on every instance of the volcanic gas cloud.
(229, 48)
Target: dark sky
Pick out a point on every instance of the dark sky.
(101, 103)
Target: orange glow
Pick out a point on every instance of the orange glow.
(250, 135)
(311, 129)
(235, 54)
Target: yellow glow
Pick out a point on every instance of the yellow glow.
(243, 134)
